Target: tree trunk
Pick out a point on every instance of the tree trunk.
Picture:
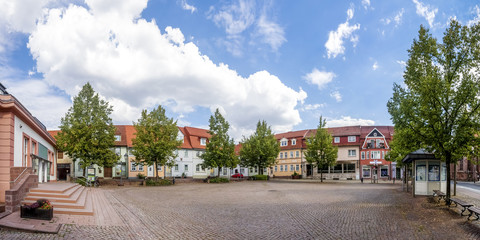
(448, 160)
(321, 176)
(156, 171)
(455, 180)
(218, 173)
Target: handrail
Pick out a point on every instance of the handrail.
(20, 175)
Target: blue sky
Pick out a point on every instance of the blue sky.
(286, 62)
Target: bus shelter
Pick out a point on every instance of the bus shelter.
(428, 172)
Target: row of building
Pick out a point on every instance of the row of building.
(27, 148)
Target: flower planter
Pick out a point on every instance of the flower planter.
(36, 213)
(296, 177)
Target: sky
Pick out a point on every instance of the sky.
(285, 62)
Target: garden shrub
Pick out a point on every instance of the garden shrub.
(160, 182)
(140, 176)
(261, 177)
(219, 180)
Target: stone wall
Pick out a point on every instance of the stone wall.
(17, 193)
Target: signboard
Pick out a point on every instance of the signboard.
(91, 173)
(374, 162)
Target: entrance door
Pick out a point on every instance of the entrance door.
(309, 170)
(107, 172)
(150, 171)
(375, 173)
(63, 170)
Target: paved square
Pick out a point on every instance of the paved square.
(268, 210)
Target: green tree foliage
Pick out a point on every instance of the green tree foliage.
(220, 150)
(156, 139)
(439, 106)
(320, 151)
(86, 132)
(260, 149)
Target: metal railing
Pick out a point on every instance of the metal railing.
(18, 177)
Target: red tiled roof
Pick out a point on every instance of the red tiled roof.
(195, 135)
(53, 133)
(291, 135)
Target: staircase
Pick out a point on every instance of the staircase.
(66, 198)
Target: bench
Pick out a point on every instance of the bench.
(474, 210)
(441, 195)
(462, 203)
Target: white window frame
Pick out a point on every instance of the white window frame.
(140, 167)
(352, 138)
(203, 141)
(336, 139)
(176, 167)
(281, 168)
(133, 167)
(297, 154)
(292, 168)
(159, 167)
(284, 143)
(291, 154)
(118, 138)
(363, 155)
(375, 155)
(294, 142)
(354, 151)
(276, 168)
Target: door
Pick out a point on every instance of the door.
(63, 170)
(107, 172)
(150, 171)
(309, 170)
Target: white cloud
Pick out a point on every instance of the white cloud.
(349, 121)
(375, 66)
(335, 43)
(397, 19)
(476, 19)
(311, 107)
(188, 7)
(319, 78)
(401, 62)
(241, 21)
(366, 4)
(136, 66)
(426, 11)
(336, 95)
(272, 34)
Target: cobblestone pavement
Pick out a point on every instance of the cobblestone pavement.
(271, 210)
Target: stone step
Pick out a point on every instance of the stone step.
(73, 198)
(87, 210)
(43, 193)
(76, 203)
(53, 190)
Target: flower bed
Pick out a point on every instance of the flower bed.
(41, 209)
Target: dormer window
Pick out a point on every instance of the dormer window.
(203, 141)
(284, 142)
(294, 142)
(118, 138)
(352, 139)
(336, 139)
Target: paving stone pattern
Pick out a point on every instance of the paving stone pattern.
(270, 210)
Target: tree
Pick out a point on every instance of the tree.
(439, 106)
(156, 139)
(320, 151)
(260, 149)
(86, 132)
(220, 150)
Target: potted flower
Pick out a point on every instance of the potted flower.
(41, 209)
(295, 175)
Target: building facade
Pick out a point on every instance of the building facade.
(25, 145)
(375, 145)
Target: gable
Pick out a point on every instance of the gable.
(375, 133)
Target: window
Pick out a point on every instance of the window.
(322, 170)
(294, 142)
(336, 139)
(379, 143)
(337, 168)
(281, 155)
(186, 167)
(242, 170)
(281, 168)
(291, 154)
(25, 152)
(276, 169)
(60, 155)
(368, 155)
(224, 171)
(118, 138)
(34, 147)
(352, 152)
(349, 168)
(291, 167)
(297, 154)
(176, 167)
(133, 167)
(140, 167)
(296, 167)
(203, 141)
(159, 168)
(383, 154)
(284, 143)
(256, 169)
(352, 138)
(375, 154)
(198, 168)
(366, 171)
(384, 171)
(363, 155)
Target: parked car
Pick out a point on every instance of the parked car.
(237, 175)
